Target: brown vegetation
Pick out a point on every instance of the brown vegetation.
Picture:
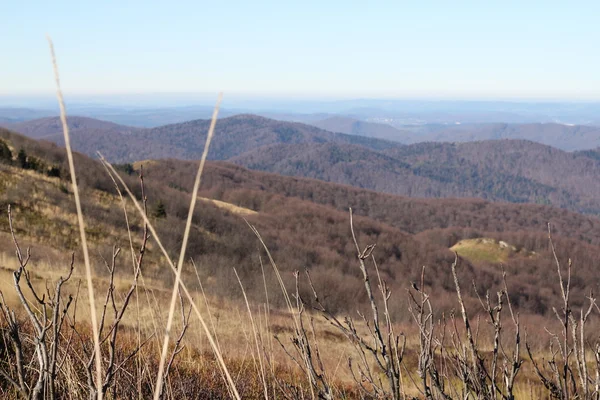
(518, 171)
(304, 223)
(447, 356)
(303, 227)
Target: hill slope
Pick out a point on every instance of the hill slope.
(506, 170)
(303, 221)
(50, 128)
(564, 137)
(499, 170)
(234, 135)
(353, 126)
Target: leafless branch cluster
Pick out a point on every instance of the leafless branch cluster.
(454, 363)
(567, 374)
(451, 361)
(46, 313)
(381, 350)
(50, 345)
(307, 354)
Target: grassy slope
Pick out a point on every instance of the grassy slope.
(488, 250)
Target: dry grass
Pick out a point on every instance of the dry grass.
(44, 220)
(81, 224)
(487, 250)
(233, 327)
(236, 332)
(232, 208)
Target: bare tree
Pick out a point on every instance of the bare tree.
(384, 348)
(563, 378)
(46, 314)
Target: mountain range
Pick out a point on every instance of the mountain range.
(234, 136)
(151, 110)
(561, 136)
(499, 170)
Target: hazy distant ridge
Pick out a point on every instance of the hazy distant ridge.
(507, 170)
(563, 136)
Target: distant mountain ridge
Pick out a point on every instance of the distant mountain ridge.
(562, 136)
(241, 133)
(82, 129)
(353, 126)
(503, 170)
(234, 136)
(518, 171)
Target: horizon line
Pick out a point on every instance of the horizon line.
(309, 97)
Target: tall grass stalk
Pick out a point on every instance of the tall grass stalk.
(135, 264)
(256, 340)
(210, 319)
(86, 256)
(186, 291)
(295, 314)
(186, 235)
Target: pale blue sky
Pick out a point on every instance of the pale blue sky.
(479, 49)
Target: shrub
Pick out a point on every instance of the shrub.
(160, 211)
(22, 159)
(5, 153)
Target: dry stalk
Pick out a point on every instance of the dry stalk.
(563, 380)
(47, 317)
(211, 340)
(256, 339)
(186, 235)
(86, 256)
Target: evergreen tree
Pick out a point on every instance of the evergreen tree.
(5, 153)
(160, 210)
(128, 168)
(22, 159)
(53, 172)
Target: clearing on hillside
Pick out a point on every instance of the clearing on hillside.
(488, 250)
(232, 208)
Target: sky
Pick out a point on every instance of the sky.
(320, 49)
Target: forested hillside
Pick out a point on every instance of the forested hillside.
(304, 221)
(508, 170)
(51, 128)
(498, 170)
